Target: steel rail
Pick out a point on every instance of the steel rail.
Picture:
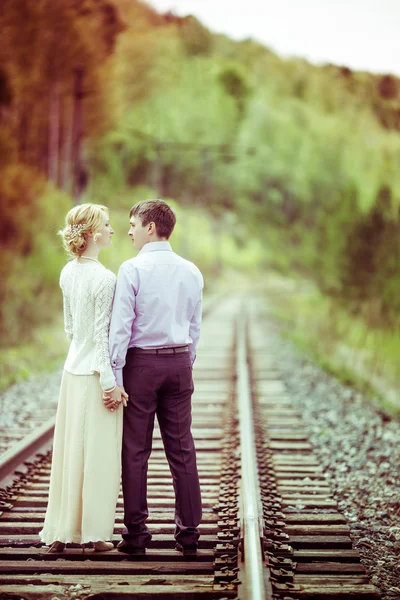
(257, 585)
(25, 448)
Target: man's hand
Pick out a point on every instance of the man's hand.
(114, 398)
(124, 396)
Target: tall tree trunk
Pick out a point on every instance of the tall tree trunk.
(61, 143)
(54, 131)
(66, 145)
(22, 133)
(79, 173)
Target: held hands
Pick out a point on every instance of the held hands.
(113, 398)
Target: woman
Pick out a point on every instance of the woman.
(85, 471)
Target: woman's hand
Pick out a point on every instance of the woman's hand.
(113, 398)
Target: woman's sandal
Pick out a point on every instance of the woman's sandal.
(56, 547)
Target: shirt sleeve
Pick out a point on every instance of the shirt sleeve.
(103, 305)
(123, 315)
(195, 323)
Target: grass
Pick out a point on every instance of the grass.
(343, 344)
(44, 353)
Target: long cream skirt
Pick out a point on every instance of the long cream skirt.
(86, 466)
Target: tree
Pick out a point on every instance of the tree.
(44, 44)
(388, 87)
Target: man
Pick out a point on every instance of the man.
(154, 331)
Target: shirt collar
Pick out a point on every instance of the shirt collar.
(154, 246)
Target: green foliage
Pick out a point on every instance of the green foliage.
(195, 37)
(19, 191)
(42, 350)
(297, 165)
(345, 344)
(233, 81)
(31, 255)
(205, 240)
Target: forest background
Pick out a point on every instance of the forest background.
(284, 175)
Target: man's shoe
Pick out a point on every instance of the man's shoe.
(127, 548)
(187, 551)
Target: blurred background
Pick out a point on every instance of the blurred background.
(283, 169)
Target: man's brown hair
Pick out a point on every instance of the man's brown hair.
(158, 212)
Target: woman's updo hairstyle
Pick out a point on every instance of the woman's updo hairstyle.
(81, 222)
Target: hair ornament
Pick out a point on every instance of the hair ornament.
(76, 230)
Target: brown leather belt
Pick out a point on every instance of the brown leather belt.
(174, 350)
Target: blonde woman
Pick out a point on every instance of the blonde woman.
(85, 471)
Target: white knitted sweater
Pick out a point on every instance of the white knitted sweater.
(88, 292)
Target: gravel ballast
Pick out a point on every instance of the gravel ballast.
(359, 449)
(26, 405)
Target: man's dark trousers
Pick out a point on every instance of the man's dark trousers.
(159, 384)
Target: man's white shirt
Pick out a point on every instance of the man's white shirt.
(157, 304)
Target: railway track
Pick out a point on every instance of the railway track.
(270, 527)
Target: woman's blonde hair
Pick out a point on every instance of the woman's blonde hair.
(81, 221)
